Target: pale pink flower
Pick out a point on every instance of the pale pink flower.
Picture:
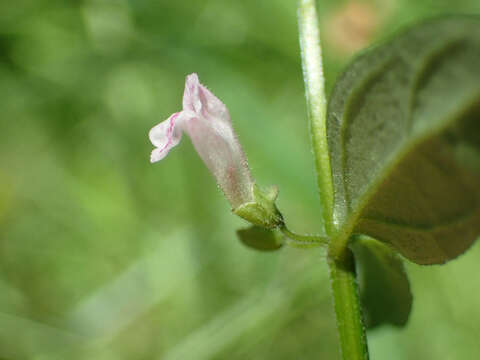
(207, 122)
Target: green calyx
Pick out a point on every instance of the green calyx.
(262, 211)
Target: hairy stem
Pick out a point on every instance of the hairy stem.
(316, 103)
(353, 342)
(351, 331)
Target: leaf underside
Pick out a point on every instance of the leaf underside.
(403, 131)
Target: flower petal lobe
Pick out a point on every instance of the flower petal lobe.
(165, 136)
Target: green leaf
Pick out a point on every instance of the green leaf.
(383, 284)
(259, 238)
(403, 130)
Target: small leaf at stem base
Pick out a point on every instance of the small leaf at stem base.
(259, 238)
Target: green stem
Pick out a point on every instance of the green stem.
(339, 241)
(303, 241)
(351, 331)
(316, 103)
(353, 342)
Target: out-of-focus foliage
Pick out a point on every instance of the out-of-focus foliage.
(104, 256)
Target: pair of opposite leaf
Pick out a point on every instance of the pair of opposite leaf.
(403, 132)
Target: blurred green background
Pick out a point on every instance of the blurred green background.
(105, 256)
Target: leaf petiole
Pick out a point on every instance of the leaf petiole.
(303, 241)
